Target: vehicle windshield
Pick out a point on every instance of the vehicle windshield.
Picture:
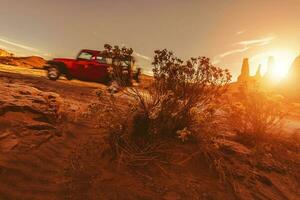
(85, 56)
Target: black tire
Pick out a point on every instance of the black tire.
(106, 80)
(53, 73)
(69, 76)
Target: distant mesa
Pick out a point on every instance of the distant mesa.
(8, 58)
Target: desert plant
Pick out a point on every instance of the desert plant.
(122, 60)
(168, 109)
(256, 115)
(178, 89)
(182, 93)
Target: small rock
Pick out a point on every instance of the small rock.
(114, 87)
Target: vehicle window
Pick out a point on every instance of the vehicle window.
(104, 60)
(85, 56)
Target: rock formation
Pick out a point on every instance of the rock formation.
(258, 74)
(4, 53)
(27, 116)
(15, 97)
(264, 81)
(30, 62)
(245, 72)
(245, 77)
(8, 58)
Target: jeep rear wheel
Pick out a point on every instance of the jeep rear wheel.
(53, 73)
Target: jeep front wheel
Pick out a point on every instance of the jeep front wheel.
(69, 76)
(53, 73)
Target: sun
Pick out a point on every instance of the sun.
(283, 60)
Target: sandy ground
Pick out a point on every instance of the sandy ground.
(39, 170)
(292, 126)
(34, 169)
(76, 89)
(38, 165)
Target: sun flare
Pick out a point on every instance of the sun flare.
(283, 60)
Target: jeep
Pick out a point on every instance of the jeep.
(90, 65)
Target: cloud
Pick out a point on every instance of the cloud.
(24, 47)
(234, 51)
(19, 45)
(246, 45)
(142, 56)
(257, 42)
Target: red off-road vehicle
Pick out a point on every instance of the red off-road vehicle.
(90, 65)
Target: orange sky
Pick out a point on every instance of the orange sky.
(225, 30)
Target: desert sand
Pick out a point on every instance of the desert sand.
(47, 151)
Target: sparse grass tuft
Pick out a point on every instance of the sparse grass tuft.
(256, 116)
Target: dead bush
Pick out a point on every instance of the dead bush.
(178, 89)
(122, 63)
(256, 116)
(182, 93)
(125, 140)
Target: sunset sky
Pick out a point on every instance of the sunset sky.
(224, 30)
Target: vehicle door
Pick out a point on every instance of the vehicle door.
(97, 69)
(81, 67)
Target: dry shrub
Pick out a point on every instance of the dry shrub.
(210, 131)
(257, 119)
(182, 94)
(122, 61)
(256, 116)
(124, 124)
(178, 89)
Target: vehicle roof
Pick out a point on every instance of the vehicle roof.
(94, 52)
(97, 52)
